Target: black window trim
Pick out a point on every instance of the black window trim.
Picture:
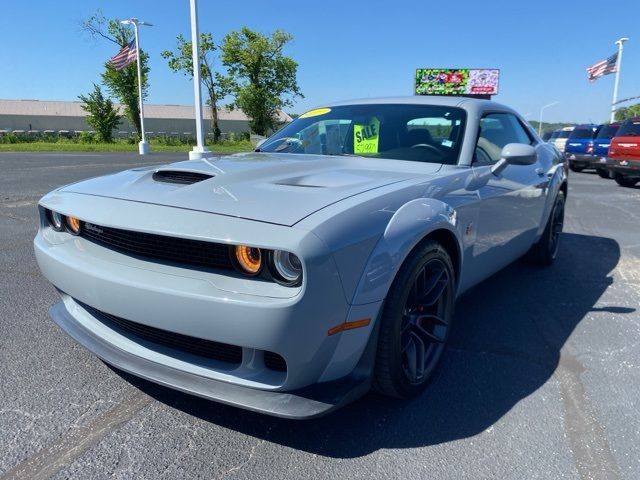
(533, 141)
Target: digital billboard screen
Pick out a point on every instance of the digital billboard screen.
(457, 81)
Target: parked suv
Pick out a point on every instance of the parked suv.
(579, 147)
(560, 140)
(623, 160)
(601, 148)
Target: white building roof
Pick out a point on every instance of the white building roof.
(74, 109)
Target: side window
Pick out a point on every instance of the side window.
(496, 131)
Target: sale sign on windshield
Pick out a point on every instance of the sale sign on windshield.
(457, 81)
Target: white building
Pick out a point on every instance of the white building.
(54, 117)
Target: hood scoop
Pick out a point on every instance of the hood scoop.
(180, 177)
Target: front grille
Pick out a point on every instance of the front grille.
(159, 247)
(196, 346)
(182, 178)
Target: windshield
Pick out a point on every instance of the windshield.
(420, 133)
(629, 128)
(608, 131)
(582, 133)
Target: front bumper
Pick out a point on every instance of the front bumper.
(310, 402)
(256, 316)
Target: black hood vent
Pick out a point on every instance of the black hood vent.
(180, 177)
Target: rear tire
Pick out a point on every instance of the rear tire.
(575, 168)
(544, 252)
(415, 322)
(602, 173)
(625, 181)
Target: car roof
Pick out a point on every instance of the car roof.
(447, 101)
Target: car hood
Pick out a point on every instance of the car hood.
(276, 188)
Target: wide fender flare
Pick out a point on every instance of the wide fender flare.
(410, 224)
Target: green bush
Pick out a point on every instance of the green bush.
(9, 138)
(86, 137)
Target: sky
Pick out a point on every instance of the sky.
(346, 49)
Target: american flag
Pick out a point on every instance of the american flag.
(605, 67)
(125, 56)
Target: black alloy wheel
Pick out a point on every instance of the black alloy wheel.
(557, 224)
(424, 327)
(545, 250)
(415, 322)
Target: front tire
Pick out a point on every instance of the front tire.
(544, 252)
(415, 322)
(575, 168)
(625, 181)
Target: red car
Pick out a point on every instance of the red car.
(623, 159)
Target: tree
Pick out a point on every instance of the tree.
(103, 116)
(217, 84)
(623, 113)
(265, 79)
(122, 84)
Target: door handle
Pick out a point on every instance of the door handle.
(540, 172)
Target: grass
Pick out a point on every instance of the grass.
(71, 146)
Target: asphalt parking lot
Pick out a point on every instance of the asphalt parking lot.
(542, 378)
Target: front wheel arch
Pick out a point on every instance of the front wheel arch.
(413, 223)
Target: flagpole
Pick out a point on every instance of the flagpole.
(143, 146)
(619, 43)
(200, 150)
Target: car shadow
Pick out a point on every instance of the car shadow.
(505, 345)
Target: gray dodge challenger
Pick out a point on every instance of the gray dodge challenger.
(293, 279)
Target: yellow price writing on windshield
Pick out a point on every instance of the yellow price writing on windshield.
(365, 137)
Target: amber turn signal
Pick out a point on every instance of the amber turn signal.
(73, 225)
(349, 326)
(248, 259)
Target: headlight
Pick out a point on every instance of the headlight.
(247, 259)
(56, 221)
(73, 225)
(287, 267)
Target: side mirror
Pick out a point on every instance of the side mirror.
(515, 154)
(260, 142)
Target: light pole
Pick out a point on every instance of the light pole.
(541, 110)
(619, 43)
(143, 146)
(199, 150)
